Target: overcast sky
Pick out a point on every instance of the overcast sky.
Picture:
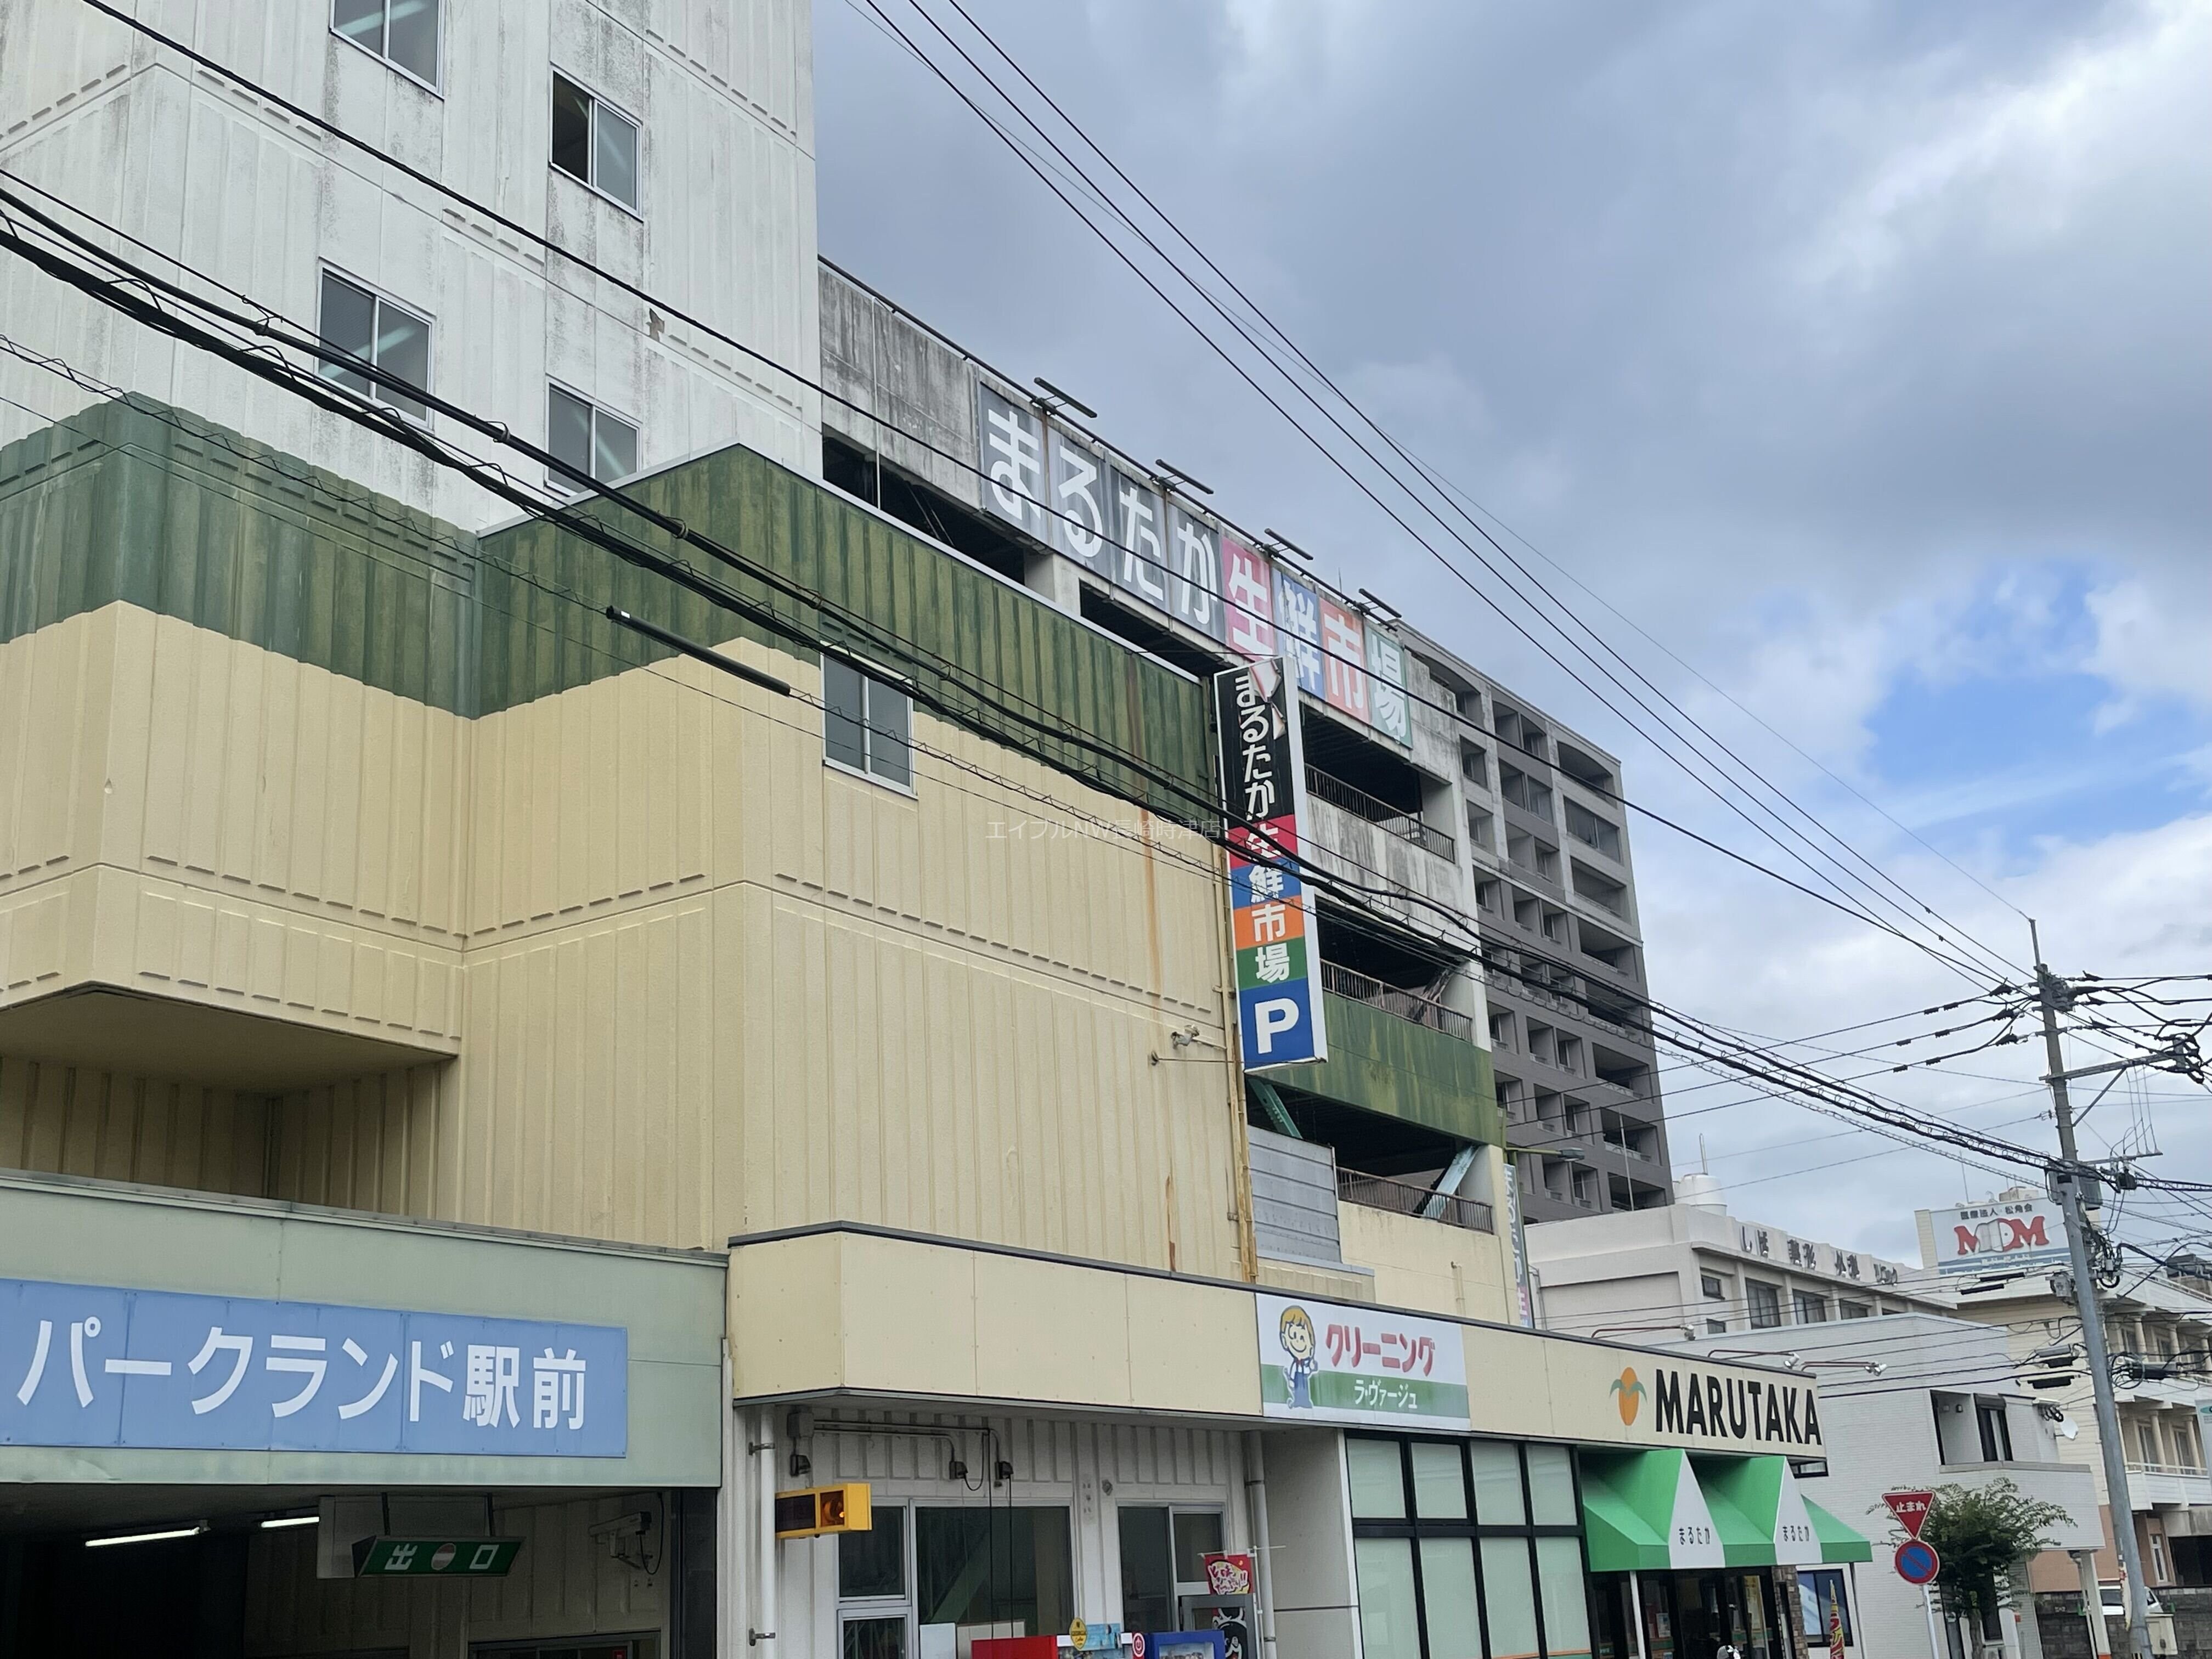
(1858, 357)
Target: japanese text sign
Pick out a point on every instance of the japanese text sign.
(93, 1366)
(1278, 1009)
(1911, 1509)
(2023, 1232)
(1322, 1362)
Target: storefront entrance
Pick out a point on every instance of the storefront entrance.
(1689, 1615)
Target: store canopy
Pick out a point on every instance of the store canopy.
(1838, 1541)
(1664, 1510)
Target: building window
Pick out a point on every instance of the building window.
(2160, 1573)
(585, 436)
(1765, 1304)
(1854, 1310)
(1466, 1547)
(1163, 1559)
(366, 327)
(1716, 1327)
(872, 1581)
(1712, 1285)
(2147, 1438)
(865, 724)
(1820, 1593)
(1811, 1310)
(1481, 830)
(1474, 765)
(988, 1566)
(1996, 1435)
(594, 143)
(403, 32)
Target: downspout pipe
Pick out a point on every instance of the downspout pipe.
(1263, 1563)
(764, 1598)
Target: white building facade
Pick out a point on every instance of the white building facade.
(668, 145)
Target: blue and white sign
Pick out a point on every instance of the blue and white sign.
(92, 1365)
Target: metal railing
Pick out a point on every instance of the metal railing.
(1410, 1006)
(1404, 1198)
(1406, 826)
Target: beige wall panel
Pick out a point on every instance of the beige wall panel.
(54, 698)
(368, 1144)
(68, 1120)
(1429, 1265)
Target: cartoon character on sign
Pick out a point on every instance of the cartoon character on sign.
(1297, 1336)
(1629, 1394)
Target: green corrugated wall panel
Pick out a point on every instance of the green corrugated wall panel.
(136, 502)
(1037, 662)
(1415, 1074)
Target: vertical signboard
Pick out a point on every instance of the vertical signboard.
(1139, 564)
(1344, 660)
(1083, 527)
(1013, 460)
(1248, 596)
(1386, 688)
(1297, 620)
(1278, 1009)
(1195, 573)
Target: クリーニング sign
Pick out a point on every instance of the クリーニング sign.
(1323, 1362)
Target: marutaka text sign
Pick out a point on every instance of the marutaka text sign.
(93, 1366)
(1279, 1011)
(1322, 1362)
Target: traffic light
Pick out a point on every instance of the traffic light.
(823, 1509)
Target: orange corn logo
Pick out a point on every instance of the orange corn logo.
(1628, 1395)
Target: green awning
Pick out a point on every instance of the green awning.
(1645, 1512)
(1653, 1511)
(1838, 1541)
(1737, 1492)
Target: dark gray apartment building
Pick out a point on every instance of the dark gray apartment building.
(1554, 895)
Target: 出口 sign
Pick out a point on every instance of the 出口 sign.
(1322, 1362)
(95, 1365)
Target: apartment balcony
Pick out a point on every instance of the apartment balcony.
(1345, 844)
(2167, 1485)
(1430, 1082)
(1413, 1005)
(1406, 1197)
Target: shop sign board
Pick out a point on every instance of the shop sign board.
(2012, 1233)
(99, 1365)
(425, 1557)
(1324, 1362)
(1278, 1008)
(1690, 1403)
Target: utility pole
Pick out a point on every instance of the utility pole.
(2066, 1179)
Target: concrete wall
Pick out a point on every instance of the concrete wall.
(1430, 1264)
(725, 230)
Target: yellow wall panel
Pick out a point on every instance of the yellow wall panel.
(72, 1120)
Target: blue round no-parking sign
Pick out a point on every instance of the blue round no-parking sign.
(1917, 1563)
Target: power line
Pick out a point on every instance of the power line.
(362, 411)
(1357, 443)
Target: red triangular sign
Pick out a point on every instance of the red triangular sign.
(1911, 1509)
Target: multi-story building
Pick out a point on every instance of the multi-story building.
(1916, 1396)
(2002, 1257)
(524, 1044)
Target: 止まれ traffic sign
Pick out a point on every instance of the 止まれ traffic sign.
(1917, 1563)
(1911, 1509)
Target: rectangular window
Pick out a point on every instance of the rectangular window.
(404, 33)
(1498, 1500)
(1997, 1433)
(1820, 1590)
(360, 326)
(1378, 1483)
(865, 724)
(1148, 1573)
(1552, 1487)
(1854, 1310)
(1389, 1626)
(1811, 1310)
(1710, 1285)
(1439, 1484)
(1716, 1327)
(594, 143)
(1765, 1304)
(875, 1636)
(1567, 1602)
(1453, 1618)
(601, 445)
(987, 1566)
(873, 1563)
(1511, 1596)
